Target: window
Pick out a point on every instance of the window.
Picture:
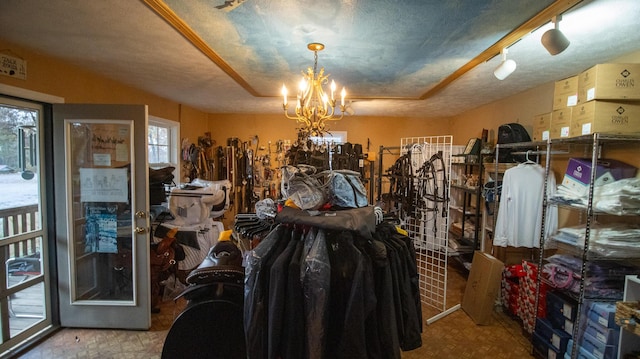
(335, 137)
(158, 144)
(163, 142)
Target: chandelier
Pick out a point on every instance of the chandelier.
(313, 106)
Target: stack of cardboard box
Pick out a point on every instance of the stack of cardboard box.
(603, 98)
(527, 298)
(601, 333)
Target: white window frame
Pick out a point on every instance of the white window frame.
(332, 137)
(174, 143)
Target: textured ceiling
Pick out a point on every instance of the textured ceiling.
(420, 58)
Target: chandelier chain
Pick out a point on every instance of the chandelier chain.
(315, 62)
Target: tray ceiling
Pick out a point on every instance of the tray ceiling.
(419, 58)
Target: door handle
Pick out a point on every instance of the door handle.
(140, 230)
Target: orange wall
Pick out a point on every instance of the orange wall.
(377, 131)
(520, 108)
(52, 76)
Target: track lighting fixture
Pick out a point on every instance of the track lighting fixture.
(554, 40)
(506, 67)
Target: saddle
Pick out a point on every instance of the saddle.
(219, 276)
(214, 311)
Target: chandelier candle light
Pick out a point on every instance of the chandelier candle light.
(313, 106)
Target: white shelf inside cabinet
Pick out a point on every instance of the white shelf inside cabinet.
(629, 341)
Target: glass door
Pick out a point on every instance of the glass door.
(25, 305)
(102, 211)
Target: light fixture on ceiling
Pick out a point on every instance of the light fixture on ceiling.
(506, 67)
(313, 106)
(553, 39)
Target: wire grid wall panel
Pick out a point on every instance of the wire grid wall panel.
(427, 222)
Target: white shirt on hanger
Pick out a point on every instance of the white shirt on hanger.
(519, 218)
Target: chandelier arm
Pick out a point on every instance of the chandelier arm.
(304, 119)
(333, 118)
(298, 116)
(290, 117)
(328, 113)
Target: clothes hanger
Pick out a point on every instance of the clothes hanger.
(529, 161)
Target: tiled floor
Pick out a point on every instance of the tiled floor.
(107, 343)
(453, 336)
(457, 336)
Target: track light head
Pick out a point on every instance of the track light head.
(506, 67)
(554, 40)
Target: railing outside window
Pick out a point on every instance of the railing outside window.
(16, 221)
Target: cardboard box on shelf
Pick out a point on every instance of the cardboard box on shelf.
(603, 313)
(606, 117)
(541, 126)
(565, 93)
(483, 286)
(578, 174)
(609, 82)
(512, 255)
(561, 123)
